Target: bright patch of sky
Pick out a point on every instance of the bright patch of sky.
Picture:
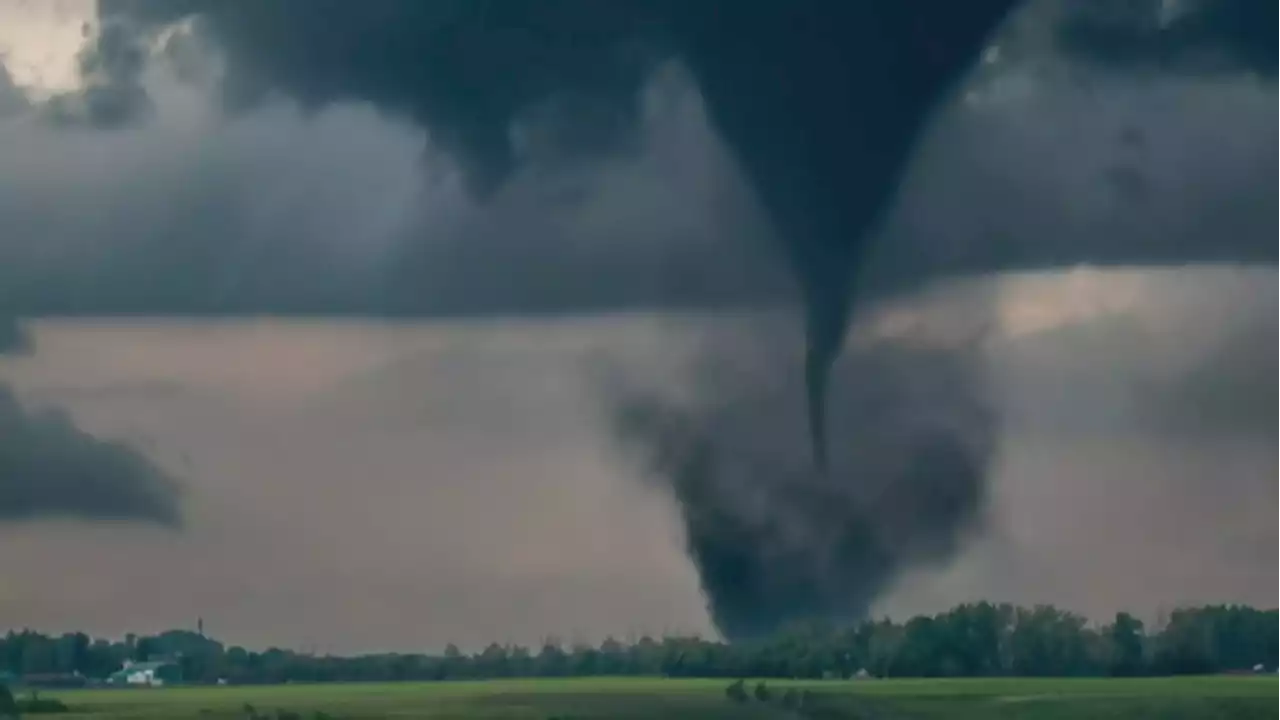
(39, 41)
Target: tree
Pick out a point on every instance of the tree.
(974, 639)
(613, 657)
(791, 699)
(144, 649)
(1046, 641)
(979, 639)
(762, 692)
(522, 662)
(884, 642)
(551, 660)
(1183, 647)
(1126, 645)
(8, 706)
(37, 655)
(70, 652)
(493, 662)
(920, 654)
(736, 692)
(455, 663)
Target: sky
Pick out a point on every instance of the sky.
(40, 41)
(351, 484)
(333, 467)
(340, 496)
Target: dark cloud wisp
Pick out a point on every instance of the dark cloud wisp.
(51, 468)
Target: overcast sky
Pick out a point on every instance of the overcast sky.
(359, 485)
(362, 486)
(353, 486)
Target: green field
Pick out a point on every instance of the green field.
(623, 698)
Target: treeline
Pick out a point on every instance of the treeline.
(972, 640)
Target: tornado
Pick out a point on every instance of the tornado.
(823, 117)
(799, 498)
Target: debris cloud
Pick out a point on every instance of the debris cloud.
(776, 539)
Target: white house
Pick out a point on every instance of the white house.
(146, 673)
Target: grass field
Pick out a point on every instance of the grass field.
(633, 698)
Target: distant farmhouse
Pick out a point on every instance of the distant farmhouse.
(153, 672)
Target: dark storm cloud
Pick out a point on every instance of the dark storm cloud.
(823, 162)
(465, 69)
(345, 211)
(820, 103)
(110, 67)
(1183, 35)
(822, 166)
(277, 211)
(1107, 170)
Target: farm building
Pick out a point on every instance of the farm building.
(146, 673)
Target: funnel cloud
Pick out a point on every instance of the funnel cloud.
(822, 167)
(821, 103)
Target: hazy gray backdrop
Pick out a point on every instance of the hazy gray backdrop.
(362, 485)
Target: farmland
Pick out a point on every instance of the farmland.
(1188, 698)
